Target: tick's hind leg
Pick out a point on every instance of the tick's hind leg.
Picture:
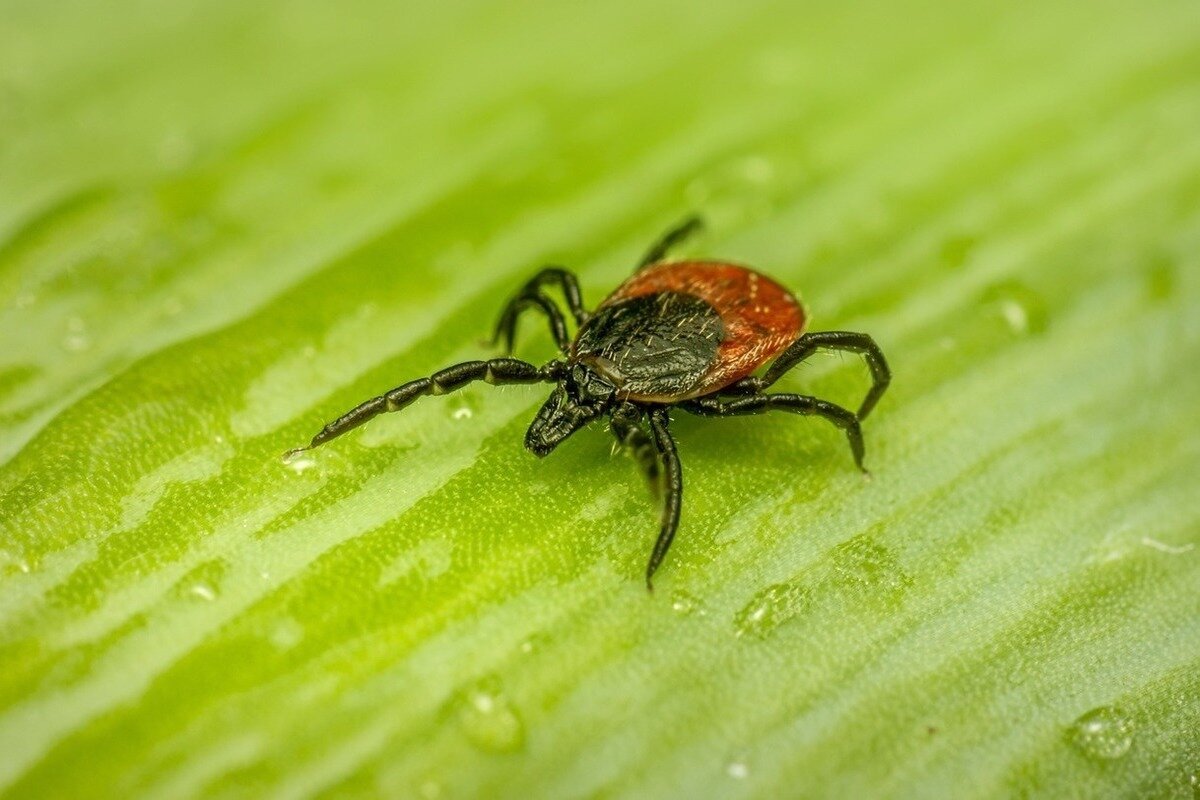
(810, 343)
(530, 295)
(497, 371)
(673, 502)
(796, 403)
(658, 251)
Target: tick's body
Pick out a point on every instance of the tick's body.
(675, 331)
(686, 334)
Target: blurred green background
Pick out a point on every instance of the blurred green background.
(222, 223)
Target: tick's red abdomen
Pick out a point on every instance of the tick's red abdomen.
(761, 317)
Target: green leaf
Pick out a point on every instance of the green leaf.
(222, 224)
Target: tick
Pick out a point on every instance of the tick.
(677, 334)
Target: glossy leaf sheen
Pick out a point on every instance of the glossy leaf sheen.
(221, 224)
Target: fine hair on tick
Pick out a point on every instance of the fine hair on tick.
(684, 334)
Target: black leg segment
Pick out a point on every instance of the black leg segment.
(497, 371)
(673, 502)
(630, 437)
(530, 295)
(796, 403)
(506, 326)
(658, 251)
(851, 342)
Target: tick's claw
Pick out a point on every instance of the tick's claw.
(290, 454)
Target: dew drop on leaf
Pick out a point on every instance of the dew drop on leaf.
(299, 462)
(488, 719)
(686, 604)
(1020, 307)
(203, 591)
(460, 407)
(286, 634)
(1103, 733)
(10, 563)
(770, 608)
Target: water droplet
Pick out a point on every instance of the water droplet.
(488, 719)
(737, 770)
(534, 643)
(1019, 306)
(176, 150)
(76, 339)
(685, 603)
(287, 634)
(299, 461)
(11, 562)
(1194, 780)
(770, 608)
(204, 592)
(1103, 732)
(869, 571)
(460, 407)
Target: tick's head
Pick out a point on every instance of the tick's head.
(580, 397)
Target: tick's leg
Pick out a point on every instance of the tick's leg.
(658, 251)
(530, 295)
(567, 283)
(810, 343)
(631, 437)
(796, 403)
(659, 422)
(496, 372)
(506, 326)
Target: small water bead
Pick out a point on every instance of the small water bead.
(203, 591)
(460, 407)
(286, 634)
(76, 339)
(488, 719)
(11, 562)
(534, 643)
(1020, 307)
(737, 770)
(770, 608)
(686, 604)
(1103, 733)
(299, 462)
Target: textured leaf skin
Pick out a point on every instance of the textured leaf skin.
(221, 224)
